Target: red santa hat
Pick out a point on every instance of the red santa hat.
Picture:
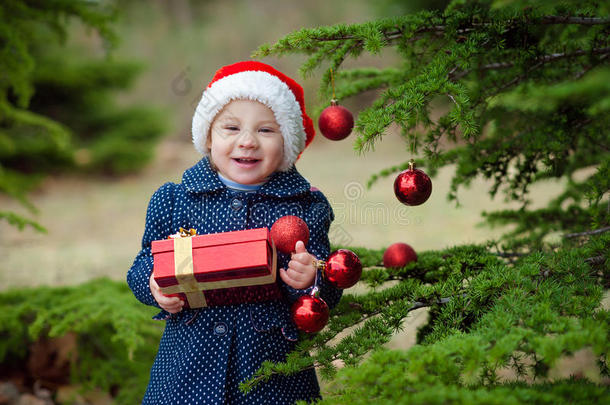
(257, 81)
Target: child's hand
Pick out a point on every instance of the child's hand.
(301, 270)
(170, 304)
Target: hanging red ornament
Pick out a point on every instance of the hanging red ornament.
(342, 269)
(287, 231)
(310, 313)
(412, 186)
(336, 122)
(399, 255)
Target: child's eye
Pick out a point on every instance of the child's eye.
(231, 128)
(267, 130)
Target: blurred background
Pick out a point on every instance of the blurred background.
(95, 218)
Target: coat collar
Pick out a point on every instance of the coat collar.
(201, 178)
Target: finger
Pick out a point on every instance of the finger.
(296, 277)
(173, 310)
(167, 301)
(156, 291)
(298, 266)
(304, 279)
(299, 247)
(286, 278)
(175, 307)
(173, 304)
(292, 278)
(304, 258)
(158, 294)
(174, 300)
(152, 282)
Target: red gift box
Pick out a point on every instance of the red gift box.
(217, 269)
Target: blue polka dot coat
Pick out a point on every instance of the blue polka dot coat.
(205, 353)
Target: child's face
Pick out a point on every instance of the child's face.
(245, 142)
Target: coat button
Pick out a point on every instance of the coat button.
(236, 204)
(220, 328)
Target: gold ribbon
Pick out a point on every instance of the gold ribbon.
(193, 289)
(183, 269)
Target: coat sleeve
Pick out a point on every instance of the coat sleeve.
(158, 226)
(318, 218)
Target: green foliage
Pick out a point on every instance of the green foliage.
(57, 113)
(20, 222)
(487, 316)
(20, 19)
(393, 388)
(520, 95)
(522, 91)
(117, 340)
(106, 138)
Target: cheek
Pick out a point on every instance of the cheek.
(275, 155)
(280, 153)
(277, 148)
(219, 146)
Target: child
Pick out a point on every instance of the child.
(251, 127)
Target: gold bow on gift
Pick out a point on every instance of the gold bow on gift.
(183, 233)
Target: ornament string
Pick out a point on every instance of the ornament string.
(315, 289)
(411, 161)
(332, 84)
(332, 81)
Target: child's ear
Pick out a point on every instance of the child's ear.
(208, 142)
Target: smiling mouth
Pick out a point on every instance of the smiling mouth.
(246, 160)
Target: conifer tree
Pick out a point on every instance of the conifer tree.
(56, 111)
(524, 90)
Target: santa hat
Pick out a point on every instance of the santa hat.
(260, 82)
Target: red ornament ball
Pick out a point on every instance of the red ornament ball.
(399, 255)
(343, 268)
(412, 186)
(336, 122)
(310, 314)
(287, 231)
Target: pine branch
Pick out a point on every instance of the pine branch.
(587, 68)
(553, 19)
(516, 79)
(541, 60)
(21, 222)
(597, 260)
(316, 365)
(394, 35)
(587, 233)
(440, 29)
(398, 33)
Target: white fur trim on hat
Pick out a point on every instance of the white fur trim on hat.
(259, 86)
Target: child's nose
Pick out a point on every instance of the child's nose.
(247, 139)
